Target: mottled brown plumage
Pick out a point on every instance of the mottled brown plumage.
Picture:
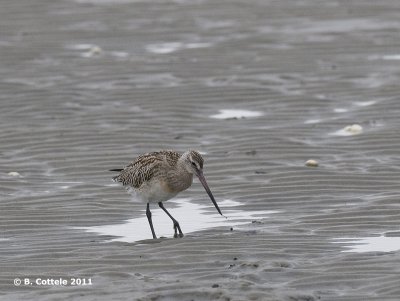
(147, 166)
(159, 176)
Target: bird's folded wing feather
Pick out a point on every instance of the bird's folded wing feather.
(145, 167)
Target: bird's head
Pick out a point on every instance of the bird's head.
(193, 162)
(194, 165)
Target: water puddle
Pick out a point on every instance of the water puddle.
(340, 110)
(105, 2)
(365, 103)
(191, 217)
(387, 57)
(165, 48)
(390, 57)
(384, 243)
(236, 114)
(312, 121)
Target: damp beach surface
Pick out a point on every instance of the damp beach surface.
(259, 88)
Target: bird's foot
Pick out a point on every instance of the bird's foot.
(176, 235)
(176, 229)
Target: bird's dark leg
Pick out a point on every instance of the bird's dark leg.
(148, 214)
(176, 224)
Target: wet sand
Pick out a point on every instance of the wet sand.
(86, 85)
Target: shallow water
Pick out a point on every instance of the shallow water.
(191, 216)
(380, 243)
(231, 113)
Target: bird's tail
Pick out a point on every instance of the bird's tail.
(116, 178)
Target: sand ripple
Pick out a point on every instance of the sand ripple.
(87, 85)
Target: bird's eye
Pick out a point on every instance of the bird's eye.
(194, 164)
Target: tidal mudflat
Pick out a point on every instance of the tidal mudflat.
(259, 88)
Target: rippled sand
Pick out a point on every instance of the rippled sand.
(259, 88)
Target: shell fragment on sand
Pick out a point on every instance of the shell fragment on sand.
(14, 174)
(349, 130)
(311, 163)
(93, 51)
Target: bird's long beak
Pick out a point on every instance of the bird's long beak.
(205, 185)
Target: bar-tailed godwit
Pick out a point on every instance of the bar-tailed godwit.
(159, 176)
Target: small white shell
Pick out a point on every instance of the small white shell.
(311, 163)
(14, 174)
(353, 129)
(93, 51)
(349, 130)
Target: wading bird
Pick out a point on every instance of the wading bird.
(159, 176)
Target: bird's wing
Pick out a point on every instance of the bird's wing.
(145, 167)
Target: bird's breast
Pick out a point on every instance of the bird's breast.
(178, 182)
(163, 188)
(154, 192)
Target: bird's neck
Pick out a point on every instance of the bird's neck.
(180, 178)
